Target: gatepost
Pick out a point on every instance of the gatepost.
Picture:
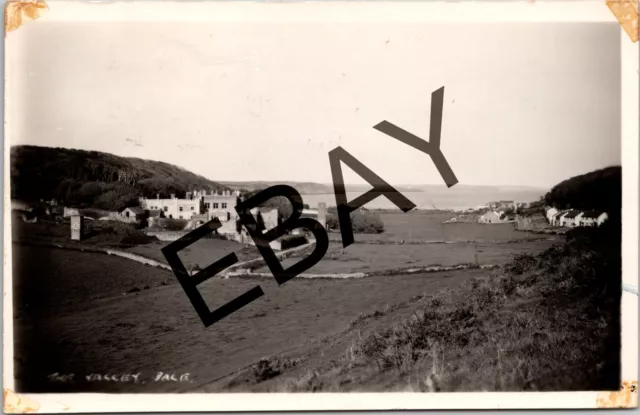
(77, 227)
(322, 214)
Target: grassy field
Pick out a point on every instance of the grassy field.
(90, 322)
(423, 225)
(201, 253)
(547, 322)
(523, 327)
(369, 257)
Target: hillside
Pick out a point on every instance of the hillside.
(94, 179)
(531, 325)
(599, 189)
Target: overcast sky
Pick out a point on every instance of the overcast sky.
(526, 104)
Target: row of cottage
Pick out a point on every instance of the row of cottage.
(570, 218)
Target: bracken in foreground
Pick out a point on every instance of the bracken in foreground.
(542, 323)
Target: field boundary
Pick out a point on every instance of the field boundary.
(97, 250)
(253, 263)
(246, 266)
(441, 242)
(387, 272)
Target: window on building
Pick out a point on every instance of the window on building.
(215, 206)
(166, 208)
(180, 216)
(180, 208)
(192, 208)
(224, 206)
(207, 205)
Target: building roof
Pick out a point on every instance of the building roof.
(592, 214)
(572, 214)
(135, 210)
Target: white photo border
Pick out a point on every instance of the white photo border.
(344, 11)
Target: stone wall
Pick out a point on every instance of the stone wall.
(167, 235)
(138, 258)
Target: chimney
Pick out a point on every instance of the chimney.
(173, 196)
(188, 195)
(157, 195)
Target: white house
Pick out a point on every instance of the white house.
(174, 208)
(550, 213)
(568, 219)
(602, 218)
(589, 218)
(489, 217)
(577, 221)
(555, 219)
(560, 219)
(221, 206)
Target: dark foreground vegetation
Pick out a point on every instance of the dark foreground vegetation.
(94, 179)
(549, 322)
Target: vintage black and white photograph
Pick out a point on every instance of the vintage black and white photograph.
(318, 206)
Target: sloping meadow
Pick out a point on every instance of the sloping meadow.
(542, 323)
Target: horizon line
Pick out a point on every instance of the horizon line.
(394, 185)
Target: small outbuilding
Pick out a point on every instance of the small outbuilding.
(489, 217)
(133, 213)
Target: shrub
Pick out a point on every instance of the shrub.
(362, 221)
(291, 241)
(264, 370)
(268, 368)
(138, 238)
(171, 224)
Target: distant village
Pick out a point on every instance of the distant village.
(195, 209)
(571, 218)
(506, 211)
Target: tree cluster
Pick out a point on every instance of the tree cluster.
(599, 190)
(82, 178)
